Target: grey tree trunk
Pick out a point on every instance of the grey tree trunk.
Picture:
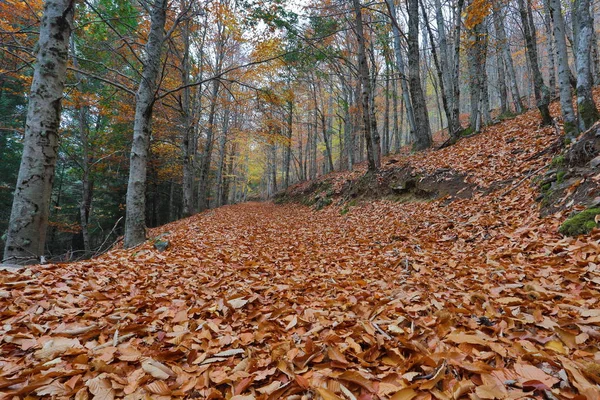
(373, 155)
(395, 112)
(566, 96)
(187, 125)
(502, 89)
(401, 67)
(542, 95)
(230, 173)
(595, 58)
(26, 236)
(423, 131)
(441, 75)
(208, 149)
(86, 159)
(222, 156)
(507, 58)
(551, 53)
(135, 215)
(456, 70)
(588, 113)
(385, 145)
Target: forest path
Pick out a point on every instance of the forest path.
(269, 301)
(389, 300)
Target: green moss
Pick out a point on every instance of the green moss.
(581, 223)
(588, 112)
(560, 176)
(546, 187)
(507, 115)
(558, 161)
(467, 131)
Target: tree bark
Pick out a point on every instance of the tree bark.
(565, 93)
(373, 156)
(423, 132)
(401, 67)
(26, 236)
(135, 223)
(507, 58)
(208, 149)
(588, 113)
(187, 125)
(542, 95)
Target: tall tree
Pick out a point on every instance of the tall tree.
(497, 16)
(423, 129)
(564, 73)
(135, 219)
(541, 92)
(26, 234)
(588, 113)
(371, 135)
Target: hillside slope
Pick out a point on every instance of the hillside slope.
(464, 296)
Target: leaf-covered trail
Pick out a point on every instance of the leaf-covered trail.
(476, 298)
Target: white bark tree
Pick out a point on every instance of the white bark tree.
(135, 217)
(26, 236)
(564, 73)
(588, 113)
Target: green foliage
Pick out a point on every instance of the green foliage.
(560, 176)
(558, 161)
(468, 131)
(581, 223)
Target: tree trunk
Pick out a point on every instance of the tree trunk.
(26, 236)
(401, 68)
(288, 143)
(188, 143)
(230, 171)
(386, 113)
(566, 99)
(135, 224)
(365, 81)
(542, 95)
(396, 126)
(551, 53)
(588, 113)
(86, 161)
(502, 89)
(222, 157)
(452, 130)
(507, 58)
(423, 132)
(208, 149)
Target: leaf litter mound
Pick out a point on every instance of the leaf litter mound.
(477, 298)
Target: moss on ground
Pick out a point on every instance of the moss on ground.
(581, 223)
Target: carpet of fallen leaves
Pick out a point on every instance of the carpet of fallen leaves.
(477, 298)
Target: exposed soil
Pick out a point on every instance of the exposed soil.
(401, 184)
(573, 181)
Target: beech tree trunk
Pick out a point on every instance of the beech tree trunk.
(565, 93)
(208, 148)
(187, 125)
(423, 129)
(507, 58)
(26, 236)
(542, 95)
(135, 223)
(401, 68)
(87, 185)
(588, 113)
(373, 155)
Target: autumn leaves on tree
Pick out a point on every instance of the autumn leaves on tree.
(173, 108)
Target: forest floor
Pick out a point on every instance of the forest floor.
(476, 297)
